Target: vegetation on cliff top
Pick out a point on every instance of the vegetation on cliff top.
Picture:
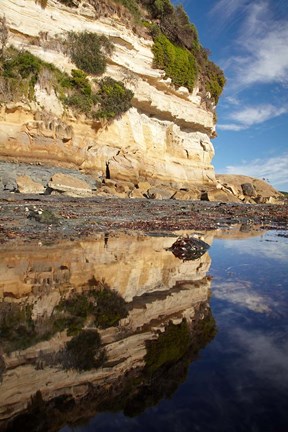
(178, 63)
(178, 51)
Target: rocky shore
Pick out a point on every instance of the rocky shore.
(48, 218)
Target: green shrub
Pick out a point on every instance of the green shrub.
(87, 50)
(80, 82)
(179, 30)
(21, 65)
(178, 52)
(19, 72)
(160, 8)
(132, 6)
(42, 3)
(178, 63)
(113, 97)
(214, 80)
(80, 98)
(69, 3)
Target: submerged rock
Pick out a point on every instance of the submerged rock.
(189, 248)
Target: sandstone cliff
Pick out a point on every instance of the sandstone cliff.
(164, 138)
(160, 148)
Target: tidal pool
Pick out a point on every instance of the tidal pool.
(196, 345)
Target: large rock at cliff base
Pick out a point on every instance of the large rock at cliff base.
(70, 185)
(26, 185)
(248, 190)
(218, 195)
(191, 194)
(160, 192)
(258, 191)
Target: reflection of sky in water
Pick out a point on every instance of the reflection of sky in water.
(240, 381)
(266, 355)
(275, 250)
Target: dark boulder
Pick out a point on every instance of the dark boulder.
(248, 189)
(189, 248)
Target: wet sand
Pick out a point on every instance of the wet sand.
(52, 218)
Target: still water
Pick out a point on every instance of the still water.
(185, 345)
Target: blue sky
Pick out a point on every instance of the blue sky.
(249, 41)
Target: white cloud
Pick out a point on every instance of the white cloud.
(257, 114)
(252, 115)
(277, 250)
(262, 47)
(266, 355)
(240, 292)
(231, 127)
(266, 60)
(232, 100)
(275, 169)
(226, 9)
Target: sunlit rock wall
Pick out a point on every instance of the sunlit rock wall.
(164, 138)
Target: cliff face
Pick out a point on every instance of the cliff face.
(163, 138)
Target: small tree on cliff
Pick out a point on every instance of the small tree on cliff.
(43, 3)
(3, 36)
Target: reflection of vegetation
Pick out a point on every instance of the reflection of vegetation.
(83, 351)
(2, 367)
(168, 348)
(17, 329)
(132, 393)
(165, 380)
(110, 307)
(101, 305)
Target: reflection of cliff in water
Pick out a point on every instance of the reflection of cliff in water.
(54, 299)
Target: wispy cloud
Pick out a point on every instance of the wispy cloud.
(240, 292)
(265, 43)
(226, 9)
(261, 44)
(249, 116)
(231, 127)
(265, 353)
(274, 169)
(277, 250)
